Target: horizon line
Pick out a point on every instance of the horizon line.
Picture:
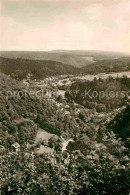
(92, 50)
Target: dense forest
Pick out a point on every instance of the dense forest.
(114, 65)
(19, 68)
(77, 58)
(101, 94)
(95, 163)
(64, 58)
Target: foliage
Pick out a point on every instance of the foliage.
(104, 66)
(101, 94)
(19, 68)
(95, 163)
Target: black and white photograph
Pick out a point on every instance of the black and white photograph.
(64, 97)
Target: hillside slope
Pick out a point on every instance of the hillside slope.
(115, 65)
(95, 163)
(69, 59)
(19, 68)
(95, 55)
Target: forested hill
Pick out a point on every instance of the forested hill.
(120, 125)
(94, 54)
(95, 163)
(76, 58)
(87, 93)
(19, 68)
(114, 65)
(65, 58)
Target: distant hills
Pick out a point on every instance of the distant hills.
(64, 58)
(76, 58)
(59, 62)
(112, 65)
(19, 68)
(93, 55)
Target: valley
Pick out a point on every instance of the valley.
(51, 131)
(64, 97)
(54, 89)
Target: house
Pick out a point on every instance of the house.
(16, 147)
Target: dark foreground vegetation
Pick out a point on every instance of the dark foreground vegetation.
(96, 162)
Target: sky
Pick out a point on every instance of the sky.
(43, 25)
